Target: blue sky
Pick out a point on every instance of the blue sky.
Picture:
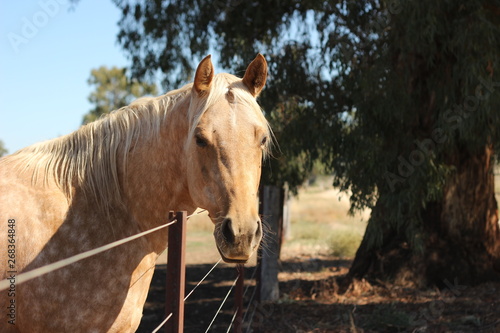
(44, 71)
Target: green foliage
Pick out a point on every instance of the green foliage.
(386, 94)
(3, 150)
(113, 89)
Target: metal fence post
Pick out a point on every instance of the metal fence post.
(176, 272)
(238, 299)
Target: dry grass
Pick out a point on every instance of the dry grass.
(321, 223)
(344, 244)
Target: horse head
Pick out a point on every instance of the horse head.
(227, 141)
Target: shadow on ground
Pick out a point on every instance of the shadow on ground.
(310, 303)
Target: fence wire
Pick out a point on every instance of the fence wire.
(37, 272)
(221, 305)
(203, 279)
(187, 296)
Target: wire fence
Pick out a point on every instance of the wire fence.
(35, 273)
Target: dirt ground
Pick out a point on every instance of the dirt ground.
(309, 302)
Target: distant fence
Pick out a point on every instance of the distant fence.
(274, 211)
(496, 172)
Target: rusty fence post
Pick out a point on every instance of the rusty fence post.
(238, 299)
(176, 272)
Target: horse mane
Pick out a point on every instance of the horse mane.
(88, 158)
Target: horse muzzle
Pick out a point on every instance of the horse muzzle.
(237, 242)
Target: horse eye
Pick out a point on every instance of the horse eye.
(200, 142)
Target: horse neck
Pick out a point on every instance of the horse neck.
(156, 181)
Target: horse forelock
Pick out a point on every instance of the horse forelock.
(228, 86)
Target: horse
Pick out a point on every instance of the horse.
(198, 146)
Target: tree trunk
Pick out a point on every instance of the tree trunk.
(461, 237)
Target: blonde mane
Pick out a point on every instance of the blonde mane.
(88, 158)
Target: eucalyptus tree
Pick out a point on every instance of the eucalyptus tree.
(398, 99)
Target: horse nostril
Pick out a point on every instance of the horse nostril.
(258, 232)
(227, 230)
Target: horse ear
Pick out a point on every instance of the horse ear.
(256, 75)
(204, 75)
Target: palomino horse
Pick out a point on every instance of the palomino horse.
(199, 146)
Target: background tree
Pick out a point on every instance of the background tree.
(399, 99)
(113, 89)
(3, 150)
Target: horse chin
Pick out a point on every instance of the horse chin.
(232, 261)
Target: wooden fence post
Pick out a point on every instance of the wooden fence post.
(176, 272)
(271, 209)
